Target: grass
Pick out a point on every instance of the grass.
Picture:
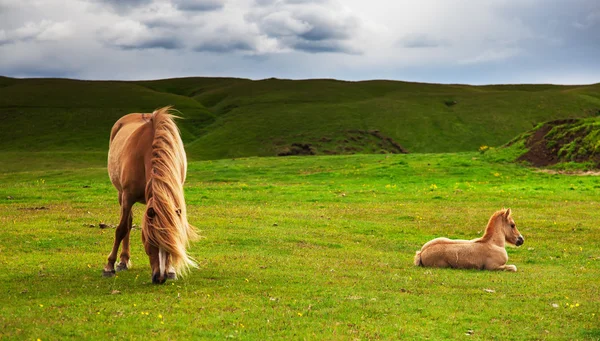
(303, 248)
(587, 143)
(299, 247)
(227, 117)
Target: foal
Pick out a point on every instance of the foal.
(485, 253)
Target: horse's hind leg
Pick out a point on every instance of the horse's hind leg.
(120, 233)
(125, 263)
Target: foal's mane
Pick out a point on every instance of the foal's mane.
(491, 226)
(169, 228)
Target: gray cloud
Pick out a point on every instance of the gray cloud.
(123, 6)
(52, 69)
(420, 41)
(167, 43)
(225, 39)
(566, 23)
(4, 39)
(199, 5)
(322, 28)
(429, 40)
(305, 2)
(309, 26)
(264, 2)
(322, 46)
(44, 30)
(131, 35)
(289, 2)
(162, 23)
(223, 46)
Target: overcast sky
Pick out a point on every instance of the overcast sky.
(441, 41)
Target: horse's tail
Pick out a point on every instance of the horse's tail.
(418, 261)
(168, 229)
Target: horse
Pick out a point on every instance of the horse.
(147, 164)
(485, 253)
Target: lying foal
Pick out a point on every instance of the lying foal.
(485, 253)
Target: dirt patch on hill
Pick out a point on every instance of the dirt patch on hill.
(386, 143)
(559, 141)
(298, 149)
(347, 142)
(539, 154)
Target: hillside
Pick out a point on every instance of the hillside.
(228, 117)
(63, 114)
(569, 143)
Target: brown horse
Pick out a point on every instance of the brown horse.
(147, 164)
(485, 253)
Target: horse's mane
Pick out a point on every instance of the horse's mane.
(489, 230)
(169, 228)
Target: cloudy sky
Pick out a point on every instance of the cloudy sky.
(442, 41)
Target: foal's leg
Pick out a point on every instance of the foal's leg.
(507, 267)
(125, 263)
(120, 233)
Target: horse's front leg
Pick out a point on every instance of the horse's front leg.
(170, 270)
(125, 256)
(120, 233)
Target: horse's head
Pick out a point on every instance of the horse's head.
(154, 222)
(511, 234)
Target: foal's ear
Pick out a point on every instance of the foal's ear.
(507, 213)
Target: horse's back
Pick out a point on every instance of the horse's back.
(130, 142)
(126, 123)
(455, 253)
(443, 241)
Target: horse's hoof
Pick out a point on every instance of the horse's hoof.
(172, 275)
(109, 273)
(122, 267)
(157, 279)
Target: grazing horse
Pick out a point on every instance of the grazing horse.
(485, 253)
(147, 164)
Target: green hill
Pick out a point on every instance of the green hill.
(563, 144)
(63, 114)
(228, 117)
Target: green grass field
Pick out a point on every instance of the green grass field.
(302, 248)
(316, 248)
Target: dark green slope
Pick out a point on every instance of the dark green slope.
(231, 117)
(63, 114)
(266, 117)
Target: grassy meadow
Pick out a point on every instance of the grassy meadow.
(302, 248)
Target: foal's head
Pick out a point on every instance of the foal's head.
(509, 228)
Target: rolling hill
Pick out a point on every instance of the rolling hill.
(229, 117)
(563, 144)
